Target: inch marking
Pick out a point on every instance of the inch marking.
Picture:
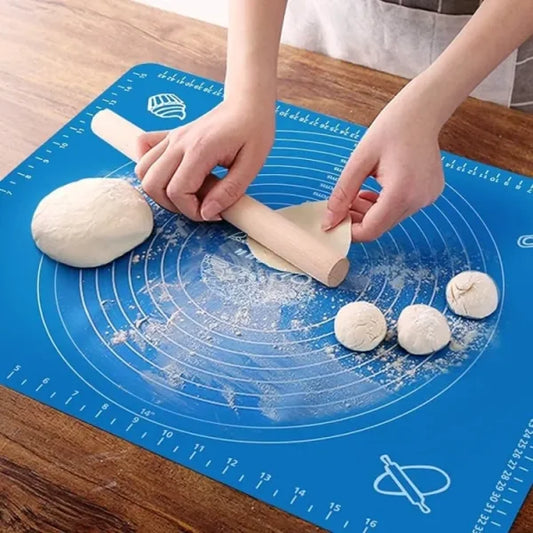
(191, 457)
(259, 484)
(513, 490)
(346, 524)
(98, 414)
(523, 468)
(506, 500)
(518, 479)
(275, 493)
(144, 435)
(160, 441)
(310, 508)
(528, 458)
(175, 449)
(495, 523)
(112, 421)
(328, 516)
(208, 463)
(226, 468)
(294, 498)
(501, 512)
(39, 387)
(52, 395)
(241, 478)
(82, 408)
(23, 381)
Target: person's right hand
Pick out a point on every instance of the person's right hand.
(174, 164)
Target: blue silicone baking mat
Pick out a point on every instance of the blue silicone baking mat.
(190, 348)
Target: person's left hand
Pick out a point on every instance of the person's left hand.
(401, 150)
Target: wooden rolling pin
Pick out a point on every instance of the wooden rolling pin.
(261, 223)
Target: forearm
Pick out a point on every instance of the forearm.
(253, 44)
(497, 28)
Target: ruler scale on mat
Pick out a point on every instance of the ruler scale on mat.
(191, 349)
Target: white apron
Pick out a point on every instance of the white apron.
(401, 37)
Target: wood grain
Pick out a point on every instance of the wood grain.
(56, 473)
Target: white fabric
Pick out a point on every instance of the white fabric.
(379, 35)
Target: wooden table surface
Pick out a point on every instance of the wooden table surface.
(56, 473)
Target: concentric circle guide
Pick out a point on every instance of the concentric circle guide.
(189, 347)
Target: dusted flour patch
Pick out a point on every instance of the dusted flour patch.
(91, 222)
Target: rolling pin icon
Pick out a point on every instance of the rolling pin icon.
(261, 223)
(406, 487)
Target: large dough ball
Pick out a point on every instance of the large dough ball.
(91, 222)
(360, 326)
(422, 330)
(472, 294)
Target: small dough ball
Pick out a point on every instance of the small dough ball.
(91, 222)
(472, 294)
(422, 330)
(360, 326)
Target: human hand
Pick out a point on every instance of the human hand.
(400, 149)
(174, 164)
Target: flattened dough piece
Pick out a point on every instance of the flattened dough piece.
(307, 216)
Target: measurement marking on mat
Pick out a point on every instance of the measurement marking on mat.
(226, 468)
(346, 524)
(48, 151)
(310, 508)
(112, 421)
(208, 463)
(191, 457)
(129, 427)
(518, 479)
(23, 381)
(506, 500)
(501, 512)
(82, 408)
(144, 435)
(175, 449)
(495, 523)
(365, 530)
(241, 478)
(528, 458)
(52, 395)
(114, 94)
(30, 166)
(328, 516)
(160, 441)
(275, 493)
(10, 375)
(39, 387)
(523, 468)
(294, 498)
(513, 490)
(259, 484)
(98, 107)
(98, 414)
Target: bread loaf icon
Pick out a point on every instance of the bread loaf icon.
(167, 105)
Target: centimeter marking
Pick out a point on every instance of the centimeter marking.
(519, 460)
(66, 138)
(165, 441)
